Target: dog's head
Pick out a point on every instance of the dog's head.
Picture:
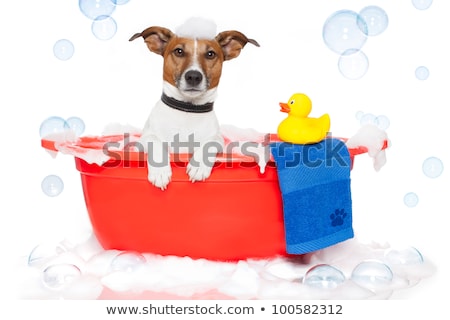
(194, 66)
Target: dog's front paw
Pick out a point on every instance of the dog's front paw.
(201, 164)
(198, 172)
(160, 176)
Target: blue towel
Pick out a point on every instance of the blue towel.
(315, 184)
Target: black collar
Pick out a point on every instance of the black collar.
(186, 106)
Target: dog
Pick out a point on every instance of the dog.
(184, 115)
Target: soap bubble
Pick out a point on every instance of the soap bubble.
(422, 4)
(406, 256)
(368, 118)
(382, 122)
(63, 49)
(432, 167)
(376, 20)
(52, 125)
(372, 274)
(410, 199)
(323, 276)
(127, 261)
(52, 185)
(59, 276)
(43, 253)
(358, 115)
(120, 2)
(422, 73)
(104, 27)
(96, 8)
(76, 124)
(344, 30)
(353, 64)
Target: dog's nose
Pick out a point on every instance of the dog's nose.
(193, 77)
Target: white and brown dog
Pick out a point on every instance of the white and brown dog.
(184, 114)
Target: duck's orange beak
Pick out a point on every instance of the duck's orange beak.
(284, 107)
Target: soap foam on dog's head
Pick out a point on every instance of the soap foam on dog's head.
(197, 28)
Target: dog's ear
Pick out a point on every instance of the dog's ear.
(156, 38)
(232, 43)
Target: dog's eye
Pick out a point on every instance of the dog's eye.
(210, 54)
(178, 52)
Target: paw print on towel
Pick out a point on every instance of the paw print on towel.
(337, 218)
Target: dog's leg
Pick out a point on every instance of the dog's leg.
(204, 158)
(158, 160)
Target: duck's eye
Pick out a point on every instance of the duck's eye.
(292, 102)
(210, 54)
(178, 52)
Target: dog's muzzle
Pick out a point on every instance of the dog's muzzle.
(193, 78)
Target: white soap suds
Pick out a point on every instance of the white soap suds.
(197, 28)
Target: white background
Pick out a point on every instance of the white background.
(119, 81)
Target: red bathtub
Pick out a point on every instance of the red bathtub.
(235, 214)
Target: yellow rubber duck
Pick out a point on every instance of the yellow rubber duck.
(298, 127)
